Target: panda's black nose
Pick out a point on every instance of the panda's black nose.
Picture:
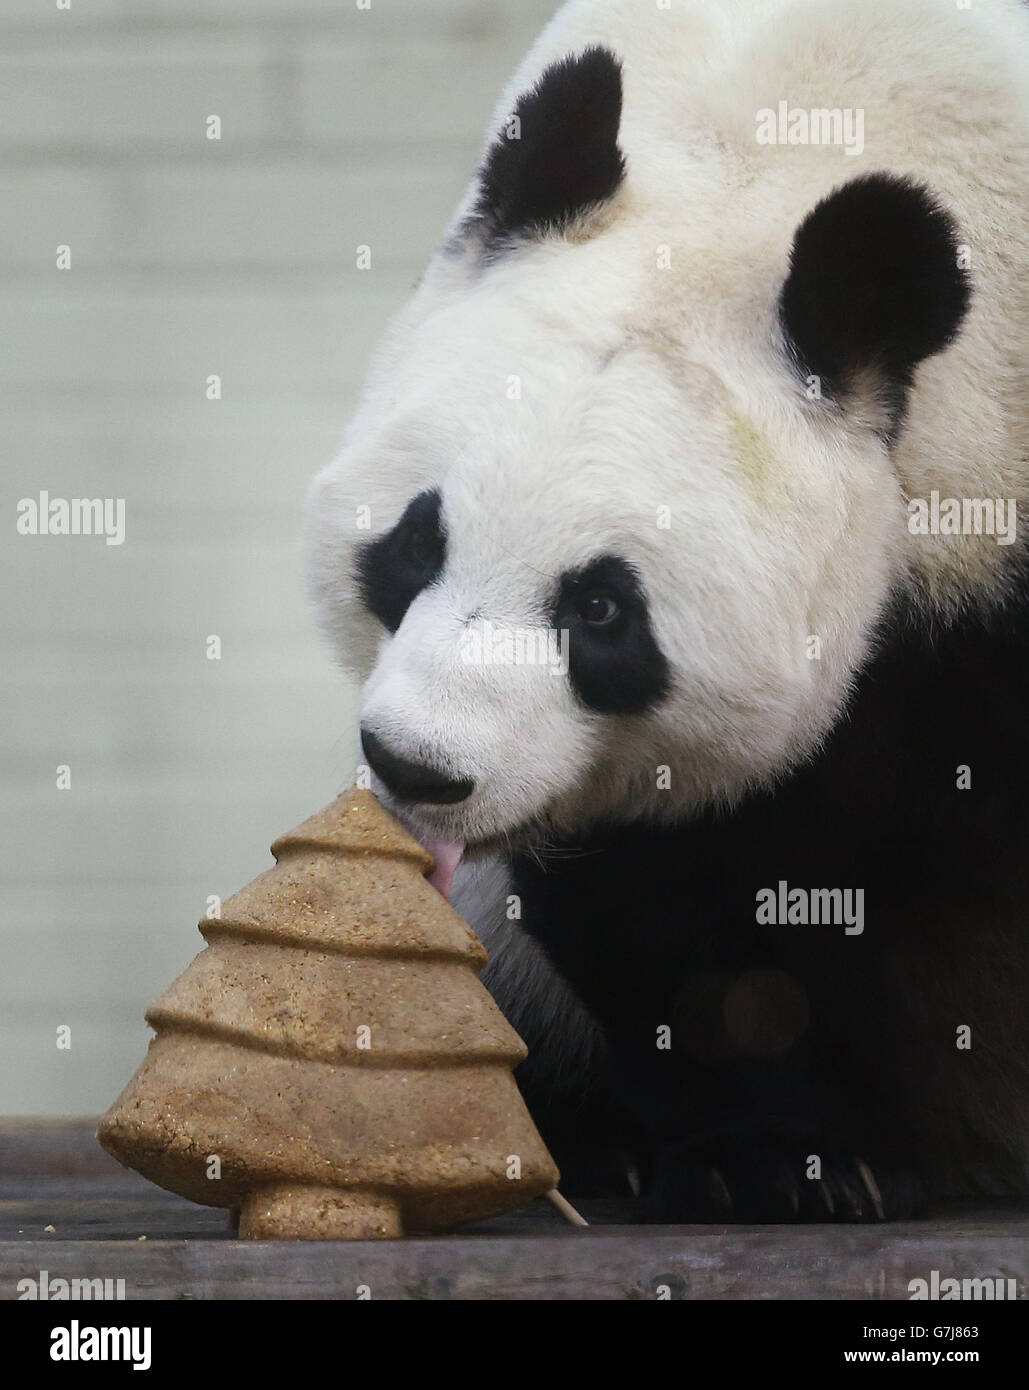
(411, 781)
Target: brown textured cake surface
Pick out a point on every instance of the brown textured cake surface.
(331, 1064)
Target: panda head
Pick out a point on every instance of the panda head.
(594, 545)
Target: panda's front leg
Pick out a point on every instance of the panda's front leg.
(759, 1141)
(734, 1121)
(758, 1070)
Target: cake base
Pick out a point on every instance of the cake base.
(290, 1212)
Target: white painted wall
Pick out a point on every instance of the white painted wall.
(189, 257)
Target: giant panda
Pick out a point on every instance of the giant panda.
(734, 411)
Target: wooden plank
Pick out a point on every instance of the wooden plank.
(111, 1224)
(602, 1263)
(53, 1148)
(88, 1209)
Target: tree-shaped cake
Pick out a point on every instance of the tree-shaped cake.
(331, 1064)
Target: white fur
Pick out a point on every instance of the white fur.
(644, 388)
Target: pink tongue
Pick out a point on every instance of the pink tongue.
(447, 856)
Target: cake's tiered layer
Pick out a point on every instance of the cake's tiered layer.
(331, 1062)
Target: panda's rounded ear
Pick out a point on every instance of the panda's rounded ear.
(557, 156)
(875, 285)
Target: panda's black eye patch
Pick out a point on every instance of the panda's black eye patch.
(392, 571)
(614, 662)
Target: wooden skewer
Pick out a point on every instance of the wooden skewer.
(868, 1177)
(566, 1209)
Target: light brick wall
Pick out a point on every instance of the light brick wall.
(189, 257)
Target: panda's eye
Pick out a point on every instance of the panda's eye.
(598, 610)
(614, 663)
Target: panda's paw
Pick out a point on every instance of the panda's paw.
(769, 1182)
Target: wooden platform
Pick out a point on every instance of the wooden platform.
(109, 1224)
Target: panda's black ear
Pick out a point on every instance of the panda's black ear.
(557, 155)
(875, 285)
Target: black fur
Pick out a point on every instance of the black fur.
(841, 1046)
(392, 571)
(617, 668)
(567, 158)
(874, 283)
